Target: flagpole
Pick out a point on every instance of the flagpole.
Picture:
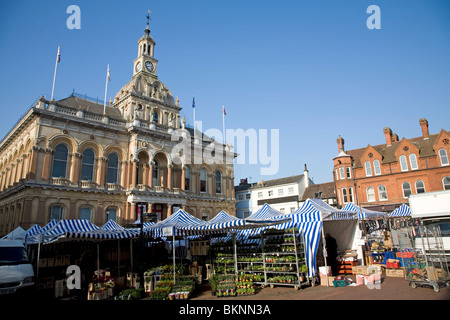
(54, 74)
(106, 89)
(223, 120)
(193, 107)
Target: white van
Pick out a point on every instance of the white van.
(16, 271)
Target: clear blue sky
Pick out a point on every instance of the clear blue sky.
(311, 68)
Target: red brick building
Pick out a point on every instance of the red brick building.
(382, 177)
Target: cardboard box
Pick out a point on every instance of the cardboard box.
(398, 273)
(323, 280)
(362, 270)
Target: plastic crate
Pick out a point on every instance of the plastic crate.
(340, 283)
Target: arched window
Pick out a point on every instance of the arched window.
(370, 194)
(406, 187)
(112, 170)
(155, 171)
(87, 165)
(56, 212)
(413, 161)
(420, 186)
(203, 180)
(443, 156)
(446, 183)
(218, 182)
(382, 193)
(60, 161)
(155, 116)
(376, 167)
(187, 179)
(111, 214)
(368, 169)
(85, 213)
(403, 164)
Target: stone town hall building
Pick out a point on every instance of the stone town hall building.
(73, 158)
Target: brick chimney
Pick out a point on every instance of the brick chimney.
(394, 137)
(388, 134)
(243, 181)
(424, 125)
(340, 142)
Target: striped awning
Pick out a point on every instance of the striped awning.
(362, 212)
(402, 211)
(177, 224)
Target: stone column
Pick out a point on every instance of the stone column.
(169, 177)
(101, 173)
(33, 163)
(133, 173)
(150, 174)
(46, 165)
(76, 158)
(169, 210)
(183, 177)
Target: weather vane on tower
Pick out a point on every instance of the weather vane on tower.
(148, 17)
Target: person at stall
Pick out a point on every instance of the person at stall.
(331, 246)
(87, 267)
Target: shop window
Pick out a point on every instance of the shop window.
(406, 187)
(403, 164)
(443, 156)
(420, 186)
(413, 161)
(112, 170)
(368, 169)
(382, 193)
(370, 194)
(87, 165)
(376, 167)
(60, 161)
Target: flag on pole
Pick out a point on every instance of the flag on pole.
(108, 78)
(193, 103)
(58, 59)
(224, 112)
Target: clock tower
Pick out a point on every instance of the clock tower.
(145, 61)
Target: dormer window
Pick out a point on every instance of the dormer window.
(443, 156)
(413, 161)
(376, 167)
(403, 163)
(368, 169)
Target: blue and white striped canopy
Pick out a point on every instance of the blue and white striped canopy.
(362, 212)
(67, 226)
(266, 212)
(402, 211)
(177, 224)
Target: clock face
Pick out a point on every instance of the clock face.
(138, 66)
(149, 66)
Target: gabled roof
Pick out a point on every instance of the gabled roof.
(327, 191)
(388, 152)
